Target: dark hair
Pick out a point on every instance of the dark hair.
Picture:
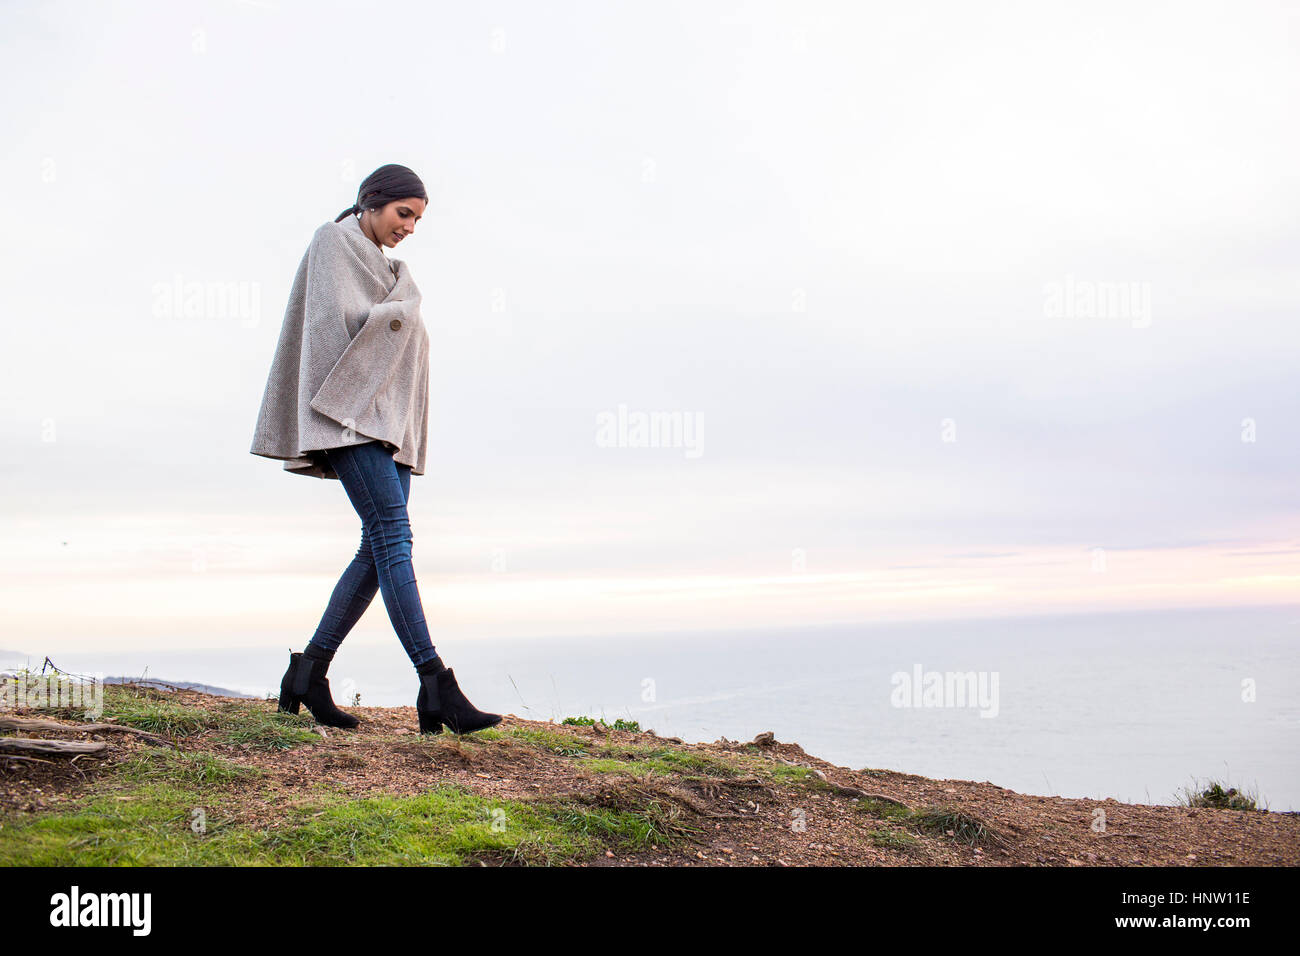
(384, 185)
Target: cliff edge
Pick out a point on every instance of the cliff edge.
(181, 777)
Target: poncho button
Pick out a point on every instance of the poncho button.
(395, 324)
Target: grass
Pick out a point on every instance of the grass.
(443, 826)
(268, 731)
(802, 776)
(895, 840)
(941, 820)
(1215, 795)
(662, 760)
(248, 722)
(149, 710)
(164, 807)
(883, 809)
(654, 823)
(558, 742)
(619, 723)
(182, 769)
(155, 824)
(959, 825)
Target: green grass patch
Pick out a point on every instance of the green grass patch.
(663, 760)
(151, 820)
(150, 710)
(263, 729)
(237, 723)
(619, 724)
(797, 776)
(443, 826)
(650, 824)
(558, 742)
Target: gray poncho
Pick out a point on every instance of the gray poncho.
(352, 363)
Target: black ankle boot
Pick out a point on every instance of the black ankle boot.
(428, 701)
(305, 682)
(458, 713)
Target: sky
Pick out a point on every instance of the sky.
(967, 310)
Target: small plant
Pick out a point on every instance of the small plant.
(883, 808)
(1214, 795)
(619, 724)
(894, 840)
(957, 824)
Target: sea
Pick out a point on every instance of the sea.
(1141, 706)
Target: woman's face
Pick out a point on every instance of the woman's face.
(390, 224)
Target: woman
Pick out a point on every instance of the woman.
(347, 398)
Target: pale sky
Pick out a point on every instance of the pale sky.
(978, 309)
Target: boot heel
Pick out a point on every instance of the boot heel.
(290, 706)
(428, 705)
(430, 725)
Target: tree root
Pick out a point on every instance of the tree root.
(24, 723)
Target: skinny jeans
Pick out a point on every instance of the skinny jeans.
(379, 489)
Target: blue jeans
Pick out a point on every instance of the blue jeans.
(379, 489)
